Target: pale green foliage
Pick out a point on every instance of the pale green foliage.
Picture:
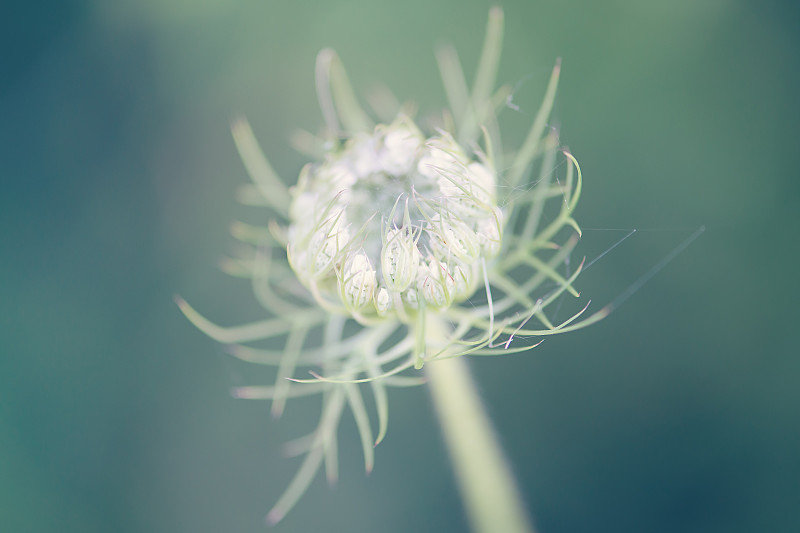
(498, 303)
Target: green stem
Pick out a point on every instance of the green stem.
(484, 477)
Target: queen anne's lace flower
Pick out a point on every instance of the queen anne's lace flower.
(448, 207)
(391, 230)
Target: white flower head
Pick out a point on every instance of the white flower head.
(395, 229)
(445, 197)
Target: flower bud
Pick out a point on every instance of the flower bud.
(400, 259)
(363, 155)
(435, 284)
(451, 237)
(328, 240)
(358, 283)
(443, 160)
(482, 183)
(464, 277)
(401, 143)
(488, 230)
(383, 302)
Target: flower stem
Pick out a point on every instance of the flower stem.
(484, 477)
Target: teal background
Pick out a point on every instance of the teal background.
(677, 413)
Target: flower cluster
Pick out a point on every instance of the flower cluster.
(392, 231)
(391, 220)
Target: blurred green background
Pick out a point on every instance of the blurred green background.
(677, 413)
